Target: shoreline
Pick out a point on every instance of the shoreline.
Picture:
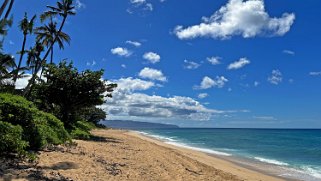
(225, 163)
(126, 155)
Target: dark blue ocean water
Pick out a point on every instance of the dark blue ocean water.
(297, 151)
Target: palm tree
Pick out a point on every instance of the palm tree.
(34, 60)
(64, 9)
(9, 9)
(3, 7)
(48, 33)
(26, 27)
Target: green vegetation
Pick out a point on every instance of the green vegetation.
(59, 102)
(38, 129)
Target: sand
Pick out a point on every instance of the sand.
(124, 155)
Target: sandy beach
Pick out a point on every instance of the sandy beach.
(124, 155)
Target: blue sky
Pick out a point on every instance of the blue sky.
(226, 63)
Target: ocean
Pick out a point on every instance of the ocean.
(288, 153)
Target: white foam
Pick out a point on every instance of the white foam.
(205, 150)
(171, 141)
(312, 171)
(274, 162)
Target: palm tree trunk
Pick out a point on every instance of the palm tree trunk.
(21, 56)
(9, 9)
(51, 56)
(3, 7)
(33, 78)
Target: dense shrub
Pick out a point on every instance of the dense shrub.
(82, 130)
(11, 139)
(78, 133)
(39, 128)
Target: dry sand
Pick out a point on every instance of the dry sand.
(123, 155)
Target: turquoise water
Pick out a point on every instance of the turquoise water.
(288, 153)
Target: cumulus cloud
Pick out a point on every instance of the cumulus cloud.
(238, 64)
(202, 95)
(152, 74)
(214, 60)
(120, 51)
(256, 83)
(152, 57)
(191, 64)
(207, 82)
(276, 77)
(130, 84)
(315, 73)
(134, 43)
(239, 17)
(127, 103)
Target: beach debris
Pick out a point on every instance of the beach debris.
(195, 172)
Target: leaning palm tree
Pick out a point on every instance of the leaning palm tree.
(9, 9)
(3, 6)
(26, 26)
(48, 33)
(63, 9)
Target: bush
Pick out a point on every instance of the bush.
(47, 129)
(11, 139)
(80, 134)
(39, 128)
(82, 130)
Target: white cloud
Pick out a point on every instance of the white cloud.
(239, 17)
(207, 82)
(289, 52)
(130, 84)
(134, 43)
(21, 83)
(256, 83)
(79, 5)
(143, 4)
(152, 74)
(315, 73)
(191, 65)
(137, 1)
(93, 63)
(127, 103)
(120, 51)
(276, 77)
(239, 64)
(123, 66)
(152, 57)
(214, 60)
(11, 42)
(149, 7)
(202, 95)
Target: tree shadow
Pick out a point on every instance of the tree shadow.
(104, 139)
(14, 169)
(62, 166)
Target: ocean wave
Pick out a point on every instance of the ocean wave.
(172, 141)
(274, 162)
(163, 138)
(315, 172)
(205, 150)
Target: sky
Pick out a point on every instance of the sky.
(209, 63)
